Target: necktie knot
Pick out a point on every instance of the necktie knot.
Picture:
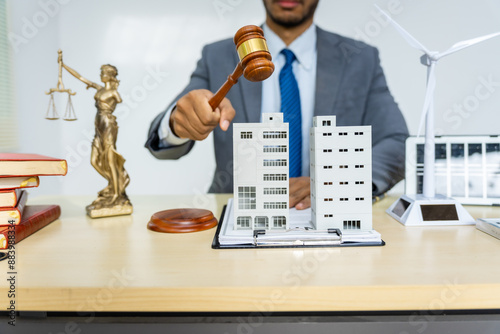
(289, 56)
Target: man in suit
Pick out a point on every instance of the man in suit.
(335, 75)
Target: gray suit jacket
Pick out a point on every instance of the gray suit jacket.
(349, 84)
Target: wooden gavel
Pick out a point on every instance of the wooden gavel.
(255, 61)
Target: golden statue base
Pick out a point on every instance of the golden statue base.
(116, 210)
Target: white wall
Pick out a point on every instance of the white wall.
(33, 48)
(165, 37)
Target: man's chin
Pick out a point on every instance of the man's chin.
(289, 13)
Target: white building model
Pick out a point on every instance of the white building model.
(341, 175)
(261, 174)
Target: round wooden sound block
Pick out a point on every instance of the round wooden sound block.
(182, 221)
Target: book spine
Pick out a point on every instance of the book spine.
(21, 203)
(33, 224)
(14, 213)
(7, 182)
(26, 168)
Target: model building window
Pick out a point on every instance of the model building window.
(246, 135)
(244, 222)
(274, 191)
(342, 133)
(327, 167)
(275, 205)
(360, 182)
(360, 198)
(328, 216)
(352, 224)
(327, 123)
(274, 134)
(344, 199)
(343, 166)
(275, 177)
(246, 198)
(279, 222)
(343, 183)
(261, 222)
(328, 183)
(328, 134)
(358, 133)
(275, 163)
(327, 150)
(359, 166)
(343, 150)
(274, 148)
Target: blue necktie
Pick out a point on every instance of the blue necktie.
(290, 107)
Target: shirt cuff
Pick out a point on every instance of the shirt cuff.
(167, 137)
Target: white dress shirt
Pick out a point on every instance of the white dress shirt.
(304, 69)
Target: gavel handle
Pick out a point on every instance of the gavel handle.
(224, 89)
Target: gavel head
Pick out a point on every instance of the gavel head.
(254, 56)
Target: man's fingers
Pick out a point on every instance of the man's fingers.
(297, 197)
(193, 117)
(202, 109)
(299, 190)
(227, 114)
(304, 204)
(185, 127)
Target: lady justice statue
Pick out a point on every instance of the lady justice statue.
(112, 200)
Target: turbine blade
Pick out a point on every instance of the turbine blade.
(429, 95)
(406, 35)
(465, 44)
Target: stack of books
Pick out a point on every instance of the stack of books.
(19, 171)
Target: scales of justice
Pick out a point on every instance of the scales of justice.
(112, 200)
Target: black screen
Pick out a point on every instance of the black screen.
(400, 207)
(433, 212)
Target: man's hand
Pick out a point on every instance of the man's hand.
(193, 117)
(300, 192)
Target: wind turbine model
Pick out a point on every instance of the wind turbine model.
(429, 208)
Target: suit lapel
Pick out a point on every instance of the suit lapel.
(330, 67)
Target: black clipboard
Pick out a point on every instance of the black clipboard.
(217, 245)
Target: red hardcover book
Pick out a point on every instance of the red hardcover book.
(25, 164)
(14, 213)
(34, 218)
(19, 182)
(9, 198)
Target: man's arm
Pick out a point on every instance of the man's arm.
(199, 80)
(159, 151)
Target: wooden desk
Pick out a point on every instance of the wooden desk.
(116, 264)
